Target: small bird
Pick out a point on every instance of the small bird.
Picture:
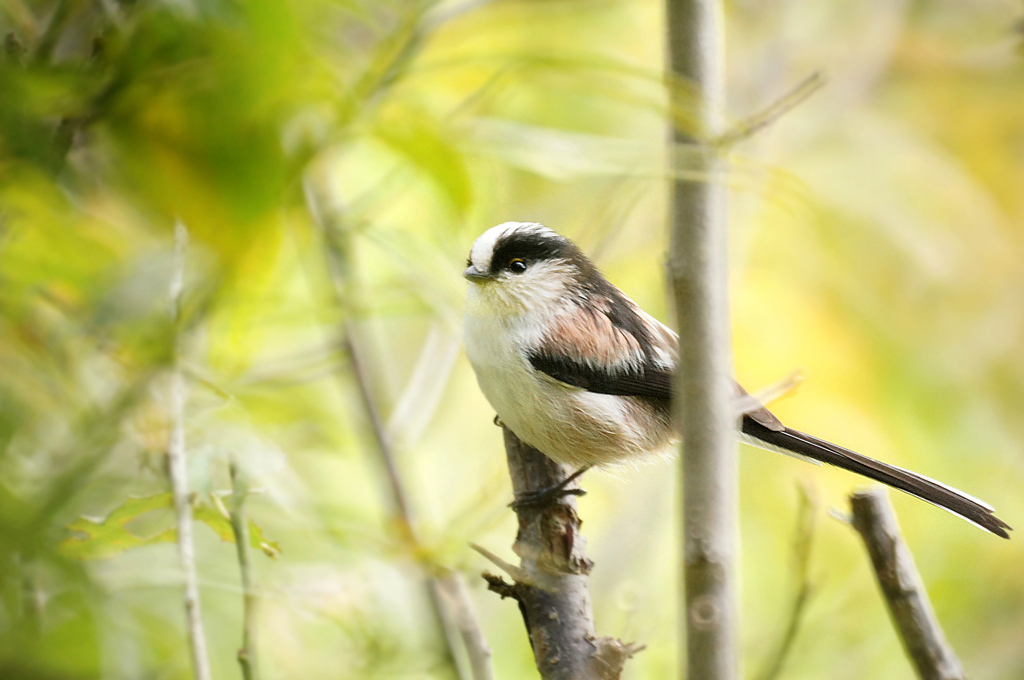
(577, 370)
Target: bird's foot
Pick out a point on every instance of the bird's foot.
(543, 497)
(497, 421)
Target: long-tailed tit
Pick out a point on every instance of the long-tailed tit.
(577, 370)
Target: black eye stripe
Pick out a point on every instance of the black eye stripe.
(529, 247)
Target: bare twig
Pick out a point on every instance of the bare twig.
(247, 658)
(747, 403)
(697, 270)
(806, 522)
(179, 470)
(500, 586)
(762, 119)
(517, 573)
(901, 585)
(554, 591)
(776, 391)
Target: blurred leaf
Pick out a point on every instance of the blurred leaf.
(220, 523)
(111, 536)
(197, 125)
(108, 537)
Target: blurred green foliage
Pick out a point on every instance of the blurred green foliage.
(91, 539)
(878, 244)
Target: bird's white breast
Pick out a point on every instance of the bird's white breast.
(568, 424)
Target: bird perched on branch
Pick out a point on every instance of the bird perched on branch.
(577, 370)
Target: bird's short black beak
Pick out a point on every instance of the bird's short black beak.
(475, 275)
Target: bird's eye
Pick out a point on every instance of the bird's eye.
(517, 266)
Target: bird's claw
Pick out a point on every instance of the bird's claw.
(544, 497)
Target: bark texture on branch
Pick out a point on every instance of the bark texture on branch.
(904, 592)
(552, 583)
(697, 268)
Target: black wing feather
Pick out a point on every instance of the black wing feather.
(644, 381)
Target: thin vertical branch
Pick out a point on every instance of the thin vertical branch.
(247, 658)
(697, 267)
(902, 587)
(179, 469)
(552, 583)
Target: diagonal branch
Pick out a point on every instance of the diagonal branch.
(339, 267)
(901, 585)
(762, 119)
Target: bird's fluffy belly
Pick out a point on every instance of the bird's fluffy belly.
(568, 424)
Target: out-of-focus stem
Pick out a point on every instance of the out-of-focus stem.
(461, 605)
(804, 587)
(341, 279)
(179, 470)
(762, 119)
(247, 658)
(399, 498)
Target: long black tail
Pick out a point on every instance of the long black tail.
(926, 489)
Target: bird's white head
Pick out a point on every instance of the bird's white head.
(520, 267)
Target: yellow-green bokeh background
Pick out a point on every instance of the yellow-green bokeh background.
(877, 236)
